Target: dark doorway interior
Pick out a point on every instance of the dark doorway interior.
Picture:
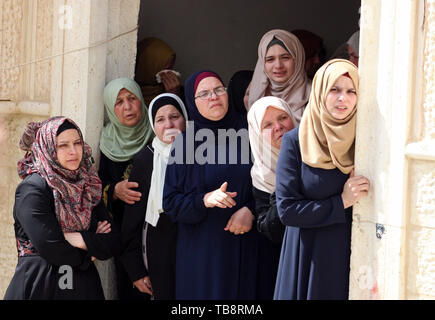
(224, 35)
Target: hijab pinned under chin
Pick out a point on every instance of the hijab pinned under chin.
(326, 142)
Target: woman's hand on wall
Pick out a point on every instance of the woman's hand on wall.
(123, 191)
(220, 198)
(354, 188)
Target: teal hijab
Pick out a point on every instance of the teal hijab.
(118, 142)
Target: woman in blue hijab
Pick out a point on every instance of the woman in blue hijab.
(208, 193)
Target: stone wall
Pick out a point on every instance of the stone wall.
(393, 237)
(55, 58)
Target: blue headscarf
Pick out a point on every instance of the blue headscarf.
(232, 119)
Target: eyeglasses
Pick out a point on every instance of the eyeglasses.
(207, 94)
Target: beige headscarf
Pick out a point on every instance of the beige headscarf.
(265, 156)
(327, 142)
(297, 89)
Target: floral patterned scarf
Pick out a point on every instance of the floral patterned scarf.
(76, 192)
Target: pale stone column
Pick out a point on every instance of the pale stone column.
(388, 244)
(55, 58)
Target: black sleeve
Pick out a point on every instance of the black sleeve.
(37, 218)
(134, 217)
(268, 221)
(109, 175)
(102, 245)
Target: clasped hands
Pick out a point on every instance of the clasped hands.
(241, 220)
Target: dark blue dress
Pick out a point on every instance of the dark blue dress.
(314, 262)
(211, 263)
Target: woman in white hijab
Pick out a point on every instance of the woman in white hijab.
(147, 235)
(269, 118)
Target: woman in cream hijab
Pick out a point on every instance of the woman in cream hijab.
(316, 188)
(268, 120)
(280, 71)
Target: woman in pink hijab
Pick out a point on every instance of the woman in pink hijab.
(280, 71)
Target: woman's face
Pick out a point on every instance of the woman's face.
(168, 123)
(278, 64)
(69, 149)
(128, 108)
(275, 123)
(215, 107)
(342, 98)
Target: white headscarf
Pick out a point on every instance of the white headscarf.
(160, 160)
(265, 156)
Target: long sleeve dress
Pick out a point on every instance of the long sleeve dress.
(314, 262)
(159, 244)
(110, 173)
(44, 256)
(211, 263)
(271, 232)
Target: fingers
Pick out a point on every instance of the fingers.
(224, 186)
(125, 192)
(144, 285)
(131, 184)
(227, 227)
(103, 227)
(220, 198)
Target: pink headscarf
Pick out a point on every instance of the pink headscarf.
(296, 90)
(76, 192)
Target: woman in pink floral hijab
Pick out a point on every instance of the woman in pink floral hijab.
(60, 224)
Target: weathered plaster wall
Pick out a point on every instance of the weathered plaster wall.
(420, 280)
(55, 58)
(393, 237)
(25, 35)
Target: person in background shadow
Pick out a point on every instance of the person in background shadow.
(238, 93)
(154, 56)
(353, 48)
(314, 50)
